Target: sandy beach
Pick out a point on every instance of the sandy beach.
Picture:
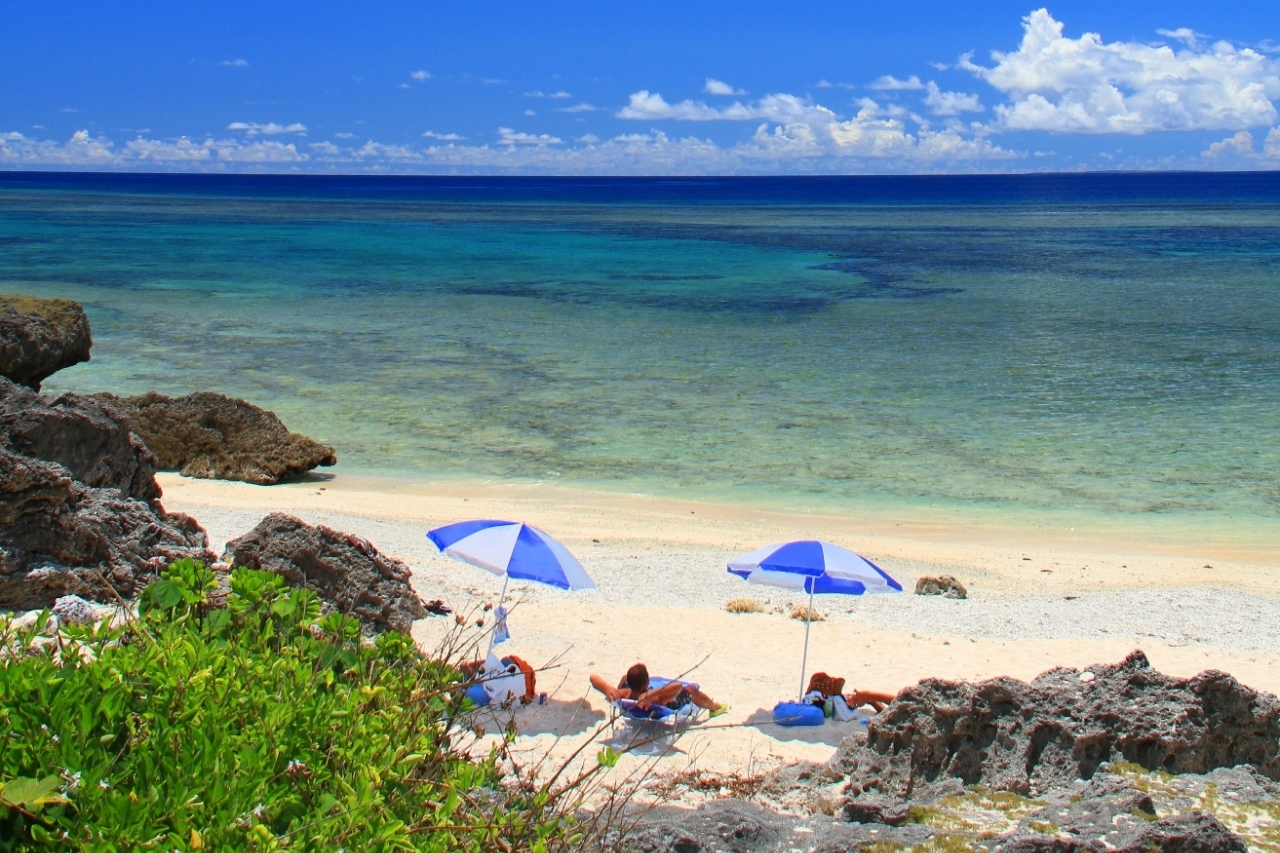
(1037, 599)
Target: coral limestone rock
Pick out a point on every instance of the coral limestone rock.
(59, 537)
(213, 436)
(1028, 738)
(944, 585)
(39, 337)
(90, 440)
(346, 571)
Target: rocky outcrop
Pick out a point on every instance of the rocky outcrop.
(39, 337)
(944, 585)
(79, 513)
(347, 572)
(213, 436)
(90, 440)
(1029, 738)
(59, 537)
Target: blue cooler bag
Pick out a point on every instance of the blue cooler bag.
(476, 693)
(797, 714)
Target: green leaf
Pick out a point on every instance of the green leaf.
(30, 793)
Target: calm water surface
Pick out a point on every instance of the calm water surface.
(1073, 347)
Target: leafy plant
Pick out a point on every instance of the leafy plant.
(258, 726)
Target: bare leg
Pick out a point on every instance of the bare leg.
(858, 698)
(702, 700)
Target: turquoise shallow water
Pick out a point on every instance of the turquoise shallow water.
(1098, 351)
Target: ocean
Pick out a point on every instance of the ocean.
(1055, 350)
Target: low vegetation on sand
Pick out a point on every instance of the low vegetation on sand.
(745, 605)
(258, 725)
(807, 613)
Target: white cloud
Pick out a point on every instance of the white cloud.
(234, 63)
(530, 113)
(405, 86)
(561, 95)
(507, 136)
(942, 103)
(1271, 145)
(325, 149)
(719, 87)
(344, 136)
(537, 94)
(889, 83)
(388, 153)
(443, 137)
(823, 84)
(588, 139)
(1241, 143)
(801, 128)
(1085, 85)
(1183, 34)
(268, 129)
(493, 81)
(420, 75)
(579, 108)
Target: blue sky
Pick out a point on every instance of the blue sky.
(639, 88)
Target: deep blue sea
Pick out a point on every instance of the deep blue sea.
(1101, 346)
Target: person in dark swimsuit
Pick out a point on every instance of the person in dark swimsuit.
(674, 695)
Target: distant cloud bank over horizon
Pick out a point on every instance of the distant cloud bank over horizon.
(1007, 111)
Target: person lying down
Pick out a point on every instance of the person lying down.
(671, 694)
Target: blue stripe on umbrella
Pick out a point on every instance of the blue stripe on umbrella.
(445, 536)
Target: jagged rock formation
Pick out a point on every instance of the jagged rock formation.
(944, 585)
(213, 436)
(39, 337)
(1009, 735)
(90, 440)
(346, 571)
(79, 509)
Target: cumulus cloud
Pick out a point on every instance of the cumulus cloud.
(719, 87)
(493, 81)
(507, 136)
(1086, 85)
(577, 108)
(268, 129)
(1183, 34)
(234, 63)
(561, 95)
(1241, 143)
(942, 103)
(443, 137)
(798, 127)
(420, 75)
(889, 83)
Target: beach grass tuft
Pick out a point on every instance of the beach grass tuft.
(745, 605)
(805, 612)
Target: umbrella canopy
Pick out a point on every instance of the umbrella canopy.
(815, 567)
(818, 568)
(513, 549)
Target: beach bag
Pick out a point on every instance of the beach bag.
(798, 714)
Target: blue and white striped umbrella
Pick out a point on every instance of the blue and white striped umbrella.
(512, 549)
(817, 568)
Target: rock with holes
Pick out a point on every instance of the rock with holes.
(346, 571)
(59, 537)
(213, 436)
(1029, 738)
(39, 337)
(74, 610)
(89, 439)
(943, 585)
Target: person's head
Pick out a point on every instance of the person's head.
(638, 679)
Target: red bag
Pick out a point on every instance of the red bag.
(530, 677)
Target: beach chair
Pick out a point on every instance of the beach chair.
(627, 711)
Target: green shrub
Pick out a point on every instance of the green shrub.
(254, 726)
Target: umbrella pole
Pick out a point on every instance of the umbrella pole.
(506, 578)
(804, 661)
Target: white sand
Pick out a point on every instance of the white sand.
(660, 568)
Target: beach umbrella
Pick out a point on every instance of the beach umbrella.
(818, 568)
(514, 550)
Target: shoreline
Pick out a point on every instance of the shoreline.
(1033, 604)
